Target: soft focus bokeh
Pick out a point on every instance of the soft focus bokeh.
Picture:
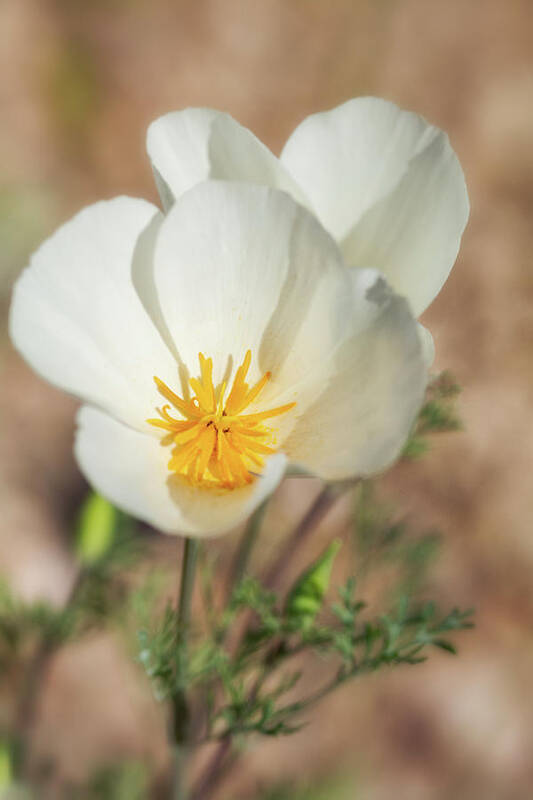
(80, 81)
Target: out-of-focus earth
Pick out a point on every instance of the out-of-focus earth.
(79, 82)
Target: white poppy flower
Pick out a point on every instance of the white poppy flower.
(213, 346)
(384, 183)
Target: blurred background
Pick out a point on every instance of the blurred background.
(79, 84)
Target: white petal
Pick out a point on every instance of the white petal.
(428, 345)
(241, 267)
(130, 469)
(388, 186)
(78, 320)
(208, 513)
(360, 422)
(197, 144)
(413, 234)
(347, 159)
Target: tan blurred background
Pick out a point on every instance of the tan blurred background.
(79, 83)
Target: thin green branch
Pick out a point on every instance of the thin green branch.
(180, 705)
(246, 545)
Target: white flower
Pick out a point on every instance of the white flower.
(384, 183)
(215, 345)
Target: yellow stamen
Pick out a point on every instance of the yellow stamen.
(240, 388)
(274, 412)
(214, 444)
(252, 394)
(186, 408)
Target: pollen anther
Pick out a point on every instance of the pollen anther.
(214, 443)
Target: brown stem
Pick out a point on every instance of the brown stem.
(217, 767)
(314, 516)
(34, 680)
(28, 699)
(246, 545)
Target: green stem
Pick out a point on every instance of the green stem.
(180, 706)
(242, 559)
(246, 545)
(188, 568)
(179, 789)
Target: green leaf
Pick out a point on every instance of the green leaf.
(444, 644)
(437, 415)
(415, 448)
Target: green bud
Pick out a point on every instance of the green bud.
(98, 523)
(306, 596)
(6, 776)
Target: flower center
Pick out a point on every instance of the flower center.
(215, 444)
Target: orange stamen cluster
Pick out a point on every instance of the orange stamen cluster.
(215, 444)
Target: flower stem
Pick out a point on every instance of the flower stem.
(190, 554)
(180, 707)
(246, 545)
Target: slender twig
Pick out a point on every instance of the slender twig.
(219, 761)
(220, 765)
(214, 770)
(179, 731)
(276, 572)
(325, 499)
(223, 760)
(26, 712)
(34, 680)
(246, 545)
